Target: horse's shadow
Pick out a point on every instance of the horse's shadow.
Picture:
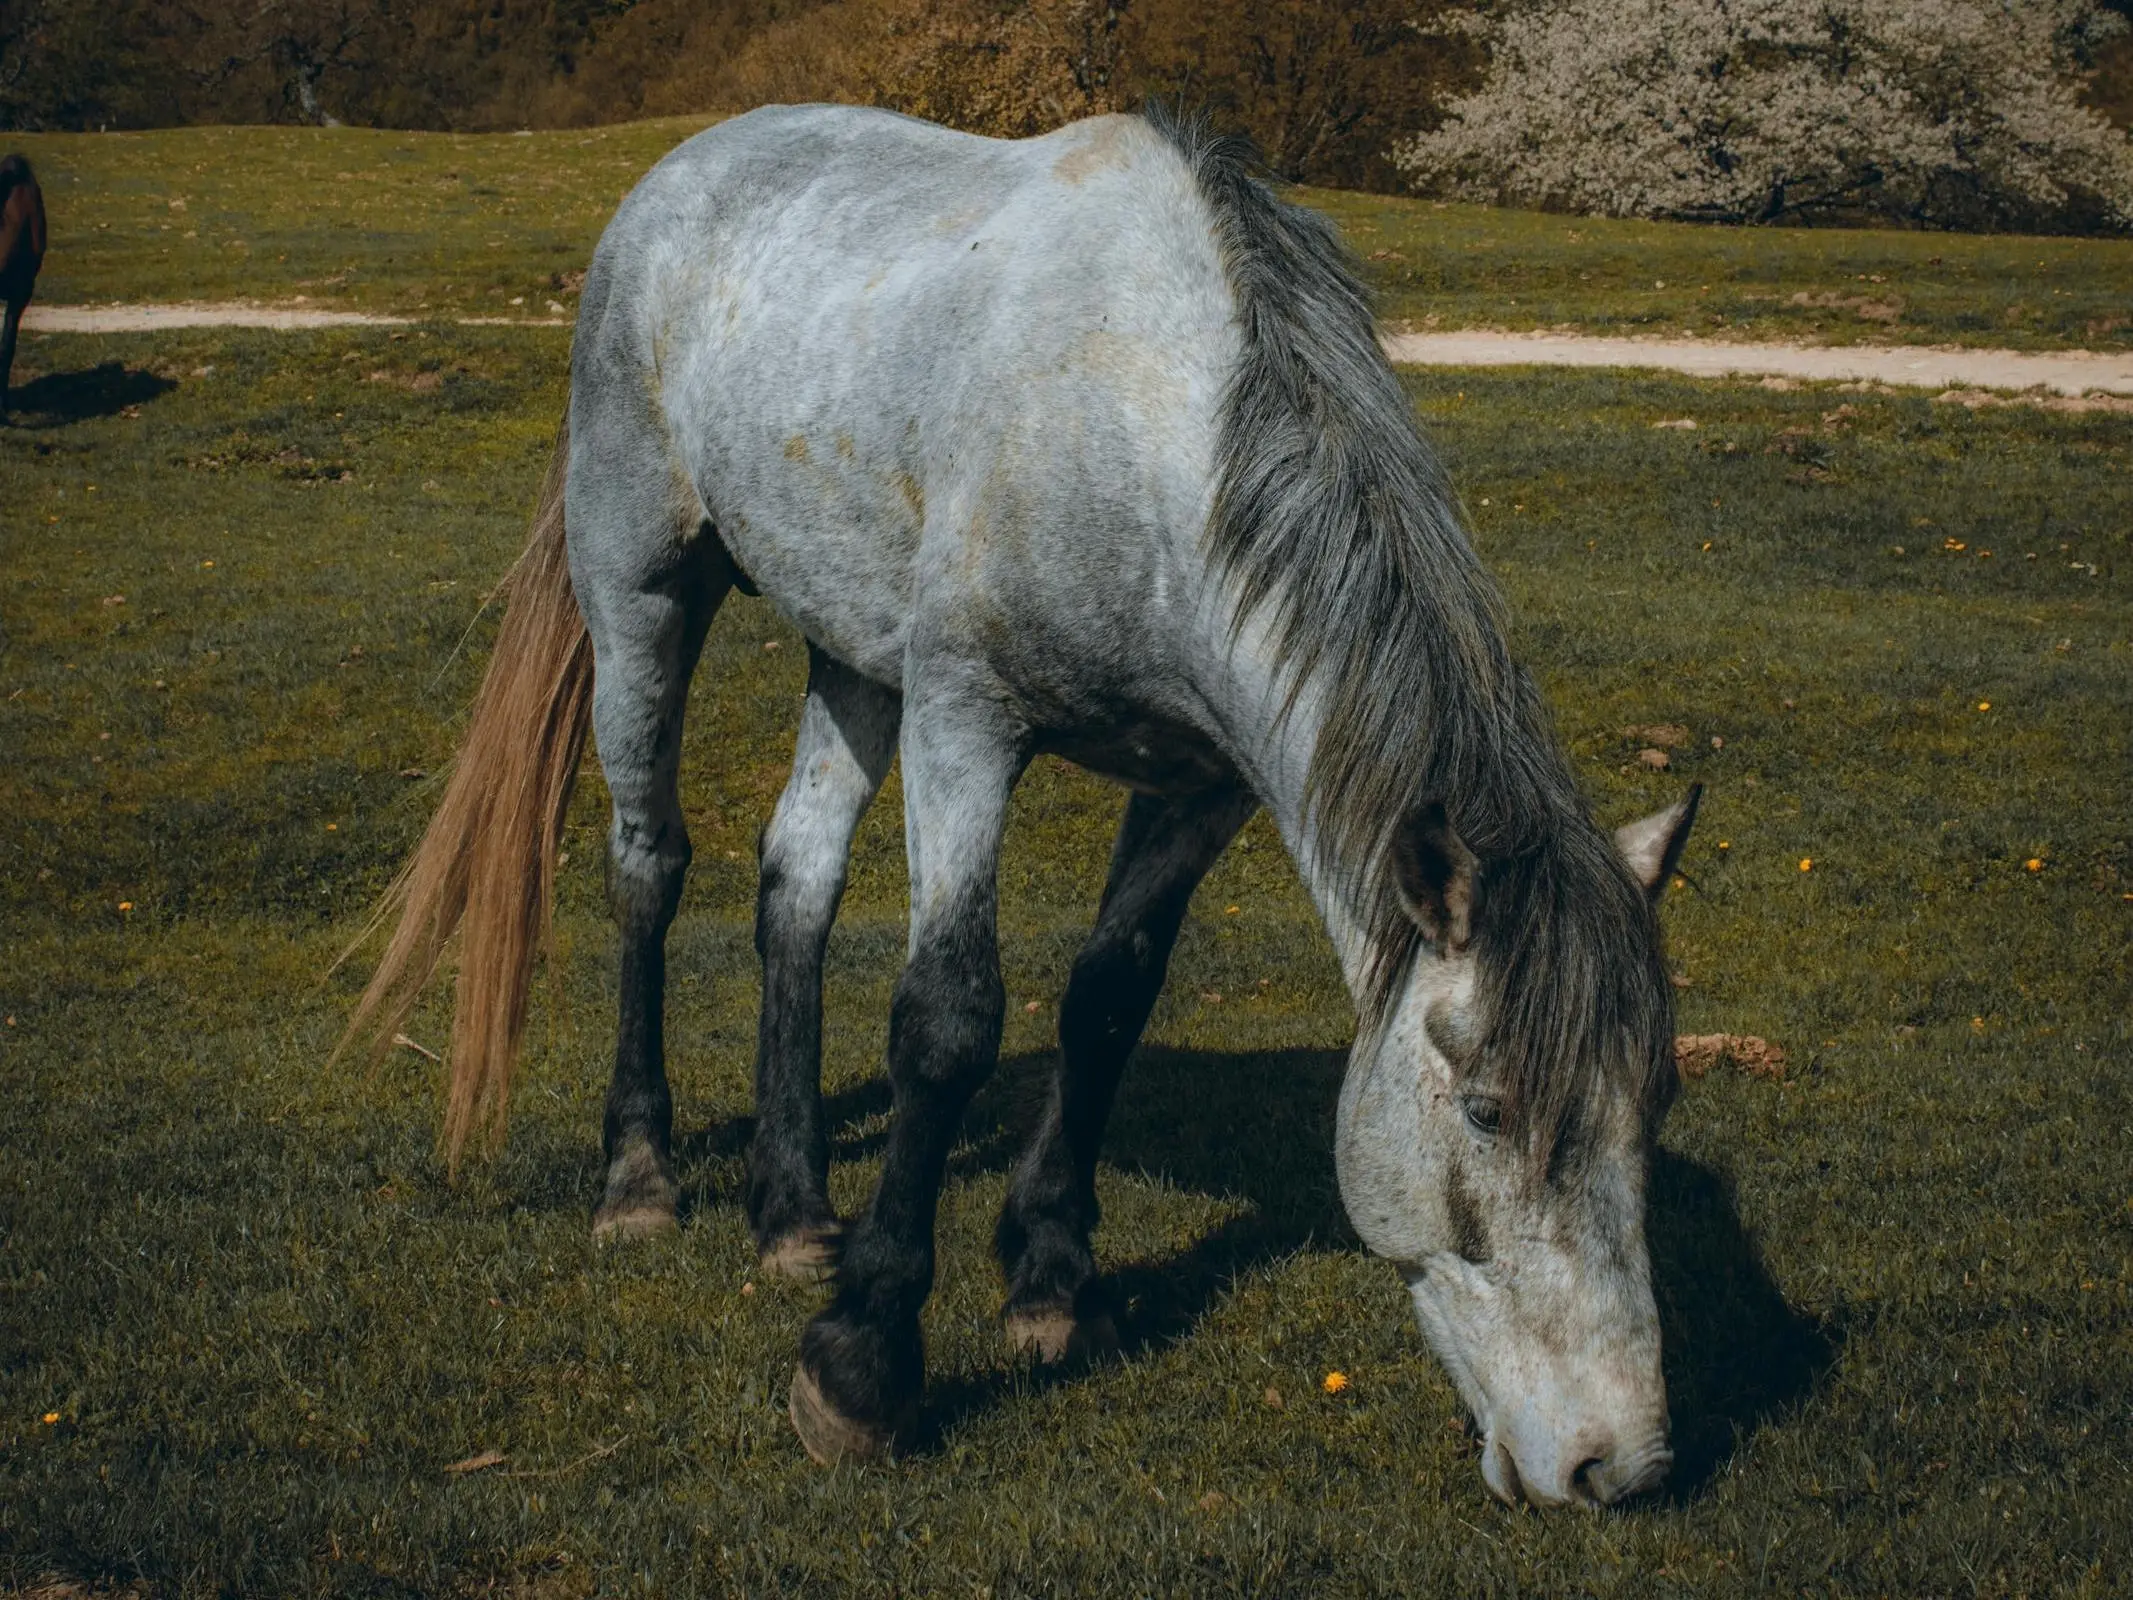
(1258, 1128)
(57, 399)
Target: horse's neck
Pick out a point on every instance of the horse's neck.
(1274, 751)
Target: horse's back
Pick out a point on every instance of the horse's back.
(924, 379)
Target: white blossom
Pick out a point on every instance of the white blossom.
(1944, 111)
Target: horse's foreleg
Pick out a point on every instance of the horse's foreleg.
(1055, 1306)
(847, 739)
(10, 324)
(646, 638)
(862, 1365)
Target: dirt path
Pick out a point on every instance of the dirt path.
(237, 314)
(2068, 372)
(1945, 367)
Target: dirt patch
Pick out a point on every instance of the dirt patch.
(413, 382)
(1670, 735)
(1863, 306)
(1695, 1054)
(1972, 399)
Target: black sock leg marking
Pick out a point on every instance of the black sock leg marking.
(646, 642)
(847, 739)
(862, 1362)
(1056, 1307)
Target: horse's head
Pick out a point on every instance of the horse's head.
(1495, 1136)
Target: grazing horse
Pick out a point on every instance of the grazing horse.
(1081, 444)
(21, 253)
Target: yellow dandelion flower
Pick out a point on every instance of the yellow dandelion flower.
(2034, 863)
(1336, 1382)
(1984, 705)
(50, 1417)
(1807, 863)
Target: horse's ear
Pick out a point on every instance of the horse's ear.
(1652, 845)
(1435, 873)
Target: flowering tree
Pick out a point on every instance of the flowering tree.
(1949, 112)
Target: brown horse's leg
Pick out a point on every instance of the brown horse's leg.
(8, 329)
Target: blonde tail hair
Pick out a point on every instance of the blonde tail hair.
(486, 867)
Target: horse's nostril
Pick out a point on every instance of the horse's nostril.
(1586, 1481)
(1610, 1480)
(1641, 1474)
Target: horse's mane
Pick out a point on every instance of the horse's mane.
(1334, 518)
(14, 169)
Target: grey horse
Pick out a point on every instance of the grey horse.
(1080, 444)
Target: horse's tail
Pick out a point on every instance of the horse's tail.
(486, 867)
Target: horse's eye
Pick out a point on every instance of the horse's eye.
(1484, 1114)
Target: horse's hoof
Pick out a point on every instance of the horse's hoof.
(1055, 1336)
(634, 1219)
(806, 1255)
(642, 1197)
(829, 1435)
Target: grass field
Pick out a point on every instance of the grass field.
(497, 225)
(245, 1326)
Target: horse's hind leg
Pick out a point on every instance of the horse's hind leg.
(862, 1364)
(1055, 1306)
(649, 579)
(847, 739)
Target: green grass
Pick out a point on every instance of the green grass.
(496, 224)
(1898, 1290)
(459, 224)
(1456, 266)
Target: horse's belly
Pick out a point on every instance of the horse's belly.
(1152, 755)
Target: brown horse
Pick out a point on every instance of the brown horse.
(21, 253)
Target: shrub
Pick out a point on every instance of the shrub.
(1324, 89)
(1959, 113)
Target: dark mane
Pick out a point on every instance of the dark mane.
(1335, 519)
